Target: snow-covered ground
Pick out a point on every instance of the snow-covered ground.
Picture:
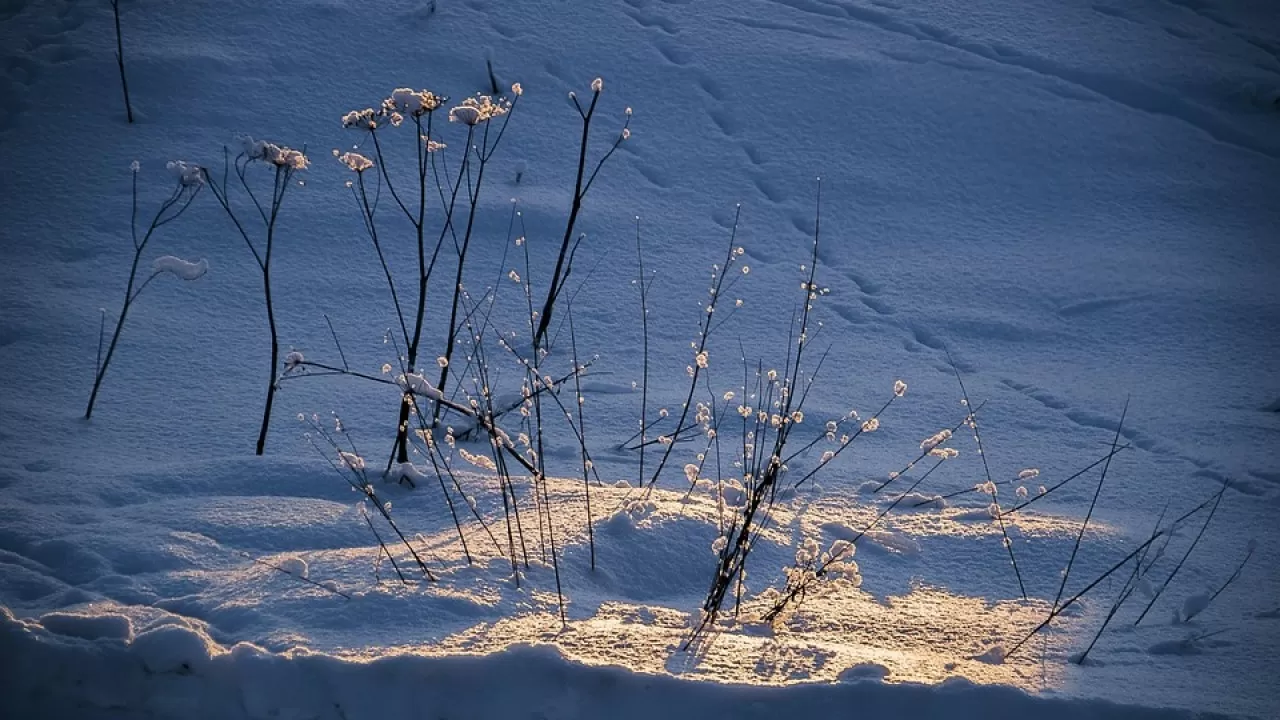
(1076, 200)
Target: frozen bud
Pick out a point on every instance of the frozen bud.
(517, 89)
(134, 166)
(935, 440)
(1028, 473)
(899, 388)
(187, 174)
(597, 85)
(871, 425)
(355, 162)
(442, 361)
(350, 460)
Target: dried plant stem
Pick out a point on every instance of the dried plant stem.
(172, 208)
(124, 80)
(1164, 586)
(977, 439)
(1075, 548)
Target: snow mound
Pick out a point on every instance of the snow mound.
(88, 627)
(176, 671)
(864, 672)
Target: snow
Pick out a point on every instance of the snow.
(173, 671)
(1069, 203)
(88, 627)
(182, 269)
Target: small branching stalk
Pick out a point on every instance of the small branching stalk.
(1075, 548)
(284, 162)
(990, 485)
(582, 185)
(1137, 552)
(1217, 499)
(187, 187)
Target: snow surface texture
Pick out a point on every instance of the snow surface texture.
(1077, 199)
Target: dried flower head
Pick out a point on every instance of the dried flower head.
(355, 161)
(413, 102)
(187, 174)
(361, 119)
(478, 109)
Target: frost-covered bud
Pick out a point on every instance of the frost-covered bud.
(355, 161)
(480, 461)
(597, 85)
(871, 425)
(187, 174)
(135, 166)
(935, 440)
(899, 388)
(517, 89)
(807, 552)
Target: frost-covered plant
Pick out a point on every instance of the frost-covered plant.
(283, 162)
(813, 566)
(187, 183)
(768, 411)
(350, 465)
(1136, 582)
(417, 110)
(808, 570)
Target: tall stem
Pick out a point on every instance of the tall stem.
(124, 81)
(115, 336)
